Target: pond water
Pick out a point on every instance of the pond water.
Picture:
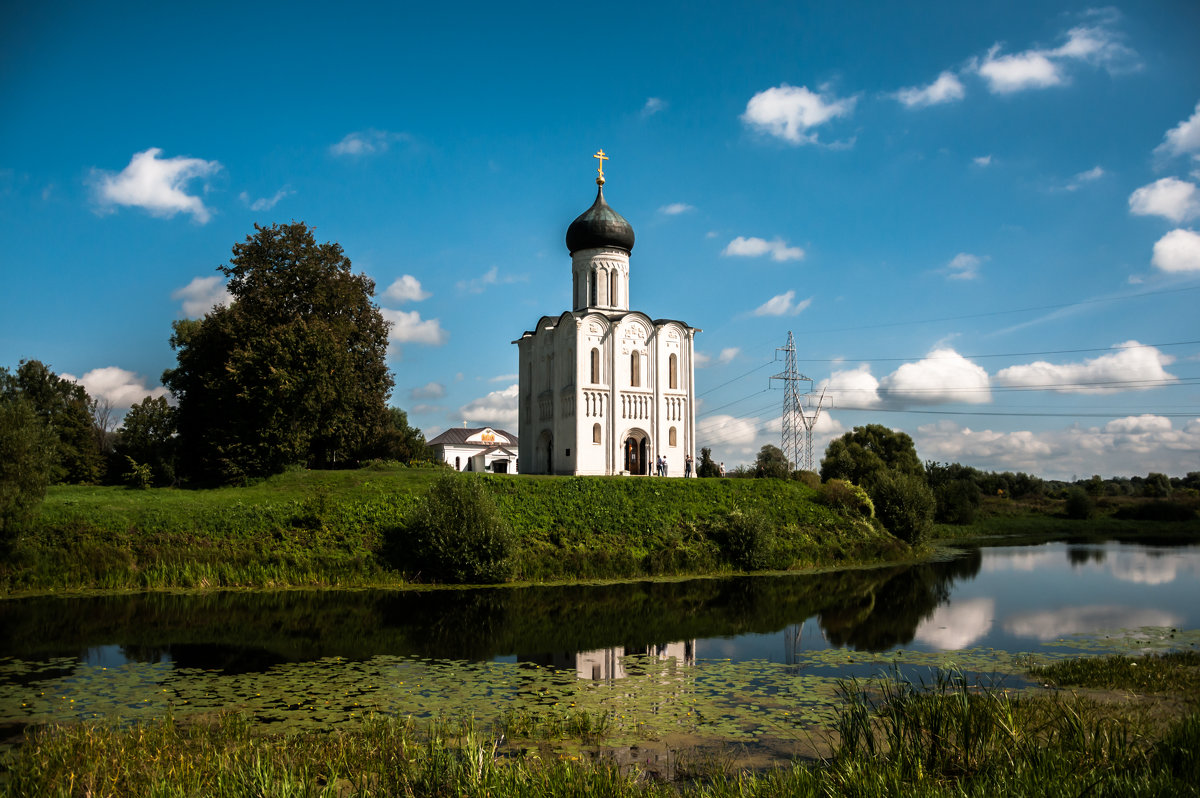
(739, 658)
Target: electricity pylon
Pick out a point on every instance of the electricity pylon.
(793, 416)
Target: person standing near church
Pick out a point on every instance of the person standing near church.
(721, 468)
(687, 466)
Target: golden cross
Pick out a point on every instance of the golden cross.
(600, 156)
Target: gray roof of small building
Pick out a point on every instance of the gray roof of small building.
(458, 436)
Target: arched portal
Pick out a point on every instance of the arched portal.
(637, 452)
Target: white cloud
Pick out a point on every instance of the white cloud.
(122, 388)
(410, 328)
(701, 360)
(1144, 568)
(653, 106)
(1131, 445)
(983, 160)
(782, 305)
(958, 624)
(1047, 625)
(1090, 176)
(201, 295)
(853, 387)
(156, 184)
(730, 433)
(744, 247)
(728, 354)
(789, 112)
(964, 266)
(947, 88)
(477, 285)
(1169, 198)
(497, 408)
(367, 142)
(1177, 251)
(676, 208)
(265, 203)
(1132, 362)
(406, 288)
(1011, 73)
(1184, 138)
(430, 390)
(942, 376)
(1095, 44)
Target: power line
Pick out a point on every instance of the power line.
(999, 354)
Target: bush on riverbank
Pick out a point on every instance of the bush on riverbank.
(345, 528)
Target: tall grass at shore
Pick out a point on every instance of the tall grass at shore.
(892, 738)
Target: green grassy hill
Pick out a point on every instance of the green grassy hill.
(346, 528)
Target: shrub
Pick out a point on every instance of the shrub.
(747, 539)
(957, 501)
(1079, 505)
(810, 478)
(1156, 511)
(905, 505)
(847, 498)
(458, 535)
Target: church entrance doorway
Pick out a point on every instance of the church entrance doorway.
(637, 453)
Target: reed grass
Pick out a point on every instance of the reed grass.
(950, 738)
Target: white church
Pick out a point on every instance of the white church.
(605, 389)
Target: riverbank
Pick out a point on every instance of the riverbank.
(1024, 521)
(347, 529)
(889, 738)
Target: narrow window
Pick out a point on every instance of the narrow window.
(671, 437)
(458, 464)
(592, 281)
(595, 365)
(595, 433)
(612, 288)
(635, 369)
(674, 371)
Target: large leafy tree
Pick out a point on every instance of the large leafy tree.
(771, 462)
(65, 410)
(292, 371)
(147, 437)
(396, 440)
(27, 455)
(864, 452)
(884, 462)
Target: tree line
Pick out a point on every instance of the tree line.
(291, 372)
(877, 470)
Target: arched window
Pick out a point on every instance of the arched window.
(671, 437)
(595, 433)
(594, 289)
(595, 365)
(674, 371)
(635, 369)
(612, 288)
(458, 464)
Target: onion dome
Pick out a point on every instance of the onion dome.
(599, 226)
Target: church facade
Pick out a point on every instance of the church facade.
(605, 389)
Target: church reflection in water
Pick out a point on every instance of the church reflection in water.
(615, 662)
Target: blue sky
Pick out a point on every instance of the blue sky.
(979, 220)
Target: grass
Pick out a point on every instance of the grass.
(1043, 518)
(346, 529)
(1173, 672)
(950, 738)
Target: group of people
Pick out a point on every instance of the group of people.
(660, 466)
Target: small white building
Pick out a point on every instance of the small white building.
(605, 389)
(482, 449)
